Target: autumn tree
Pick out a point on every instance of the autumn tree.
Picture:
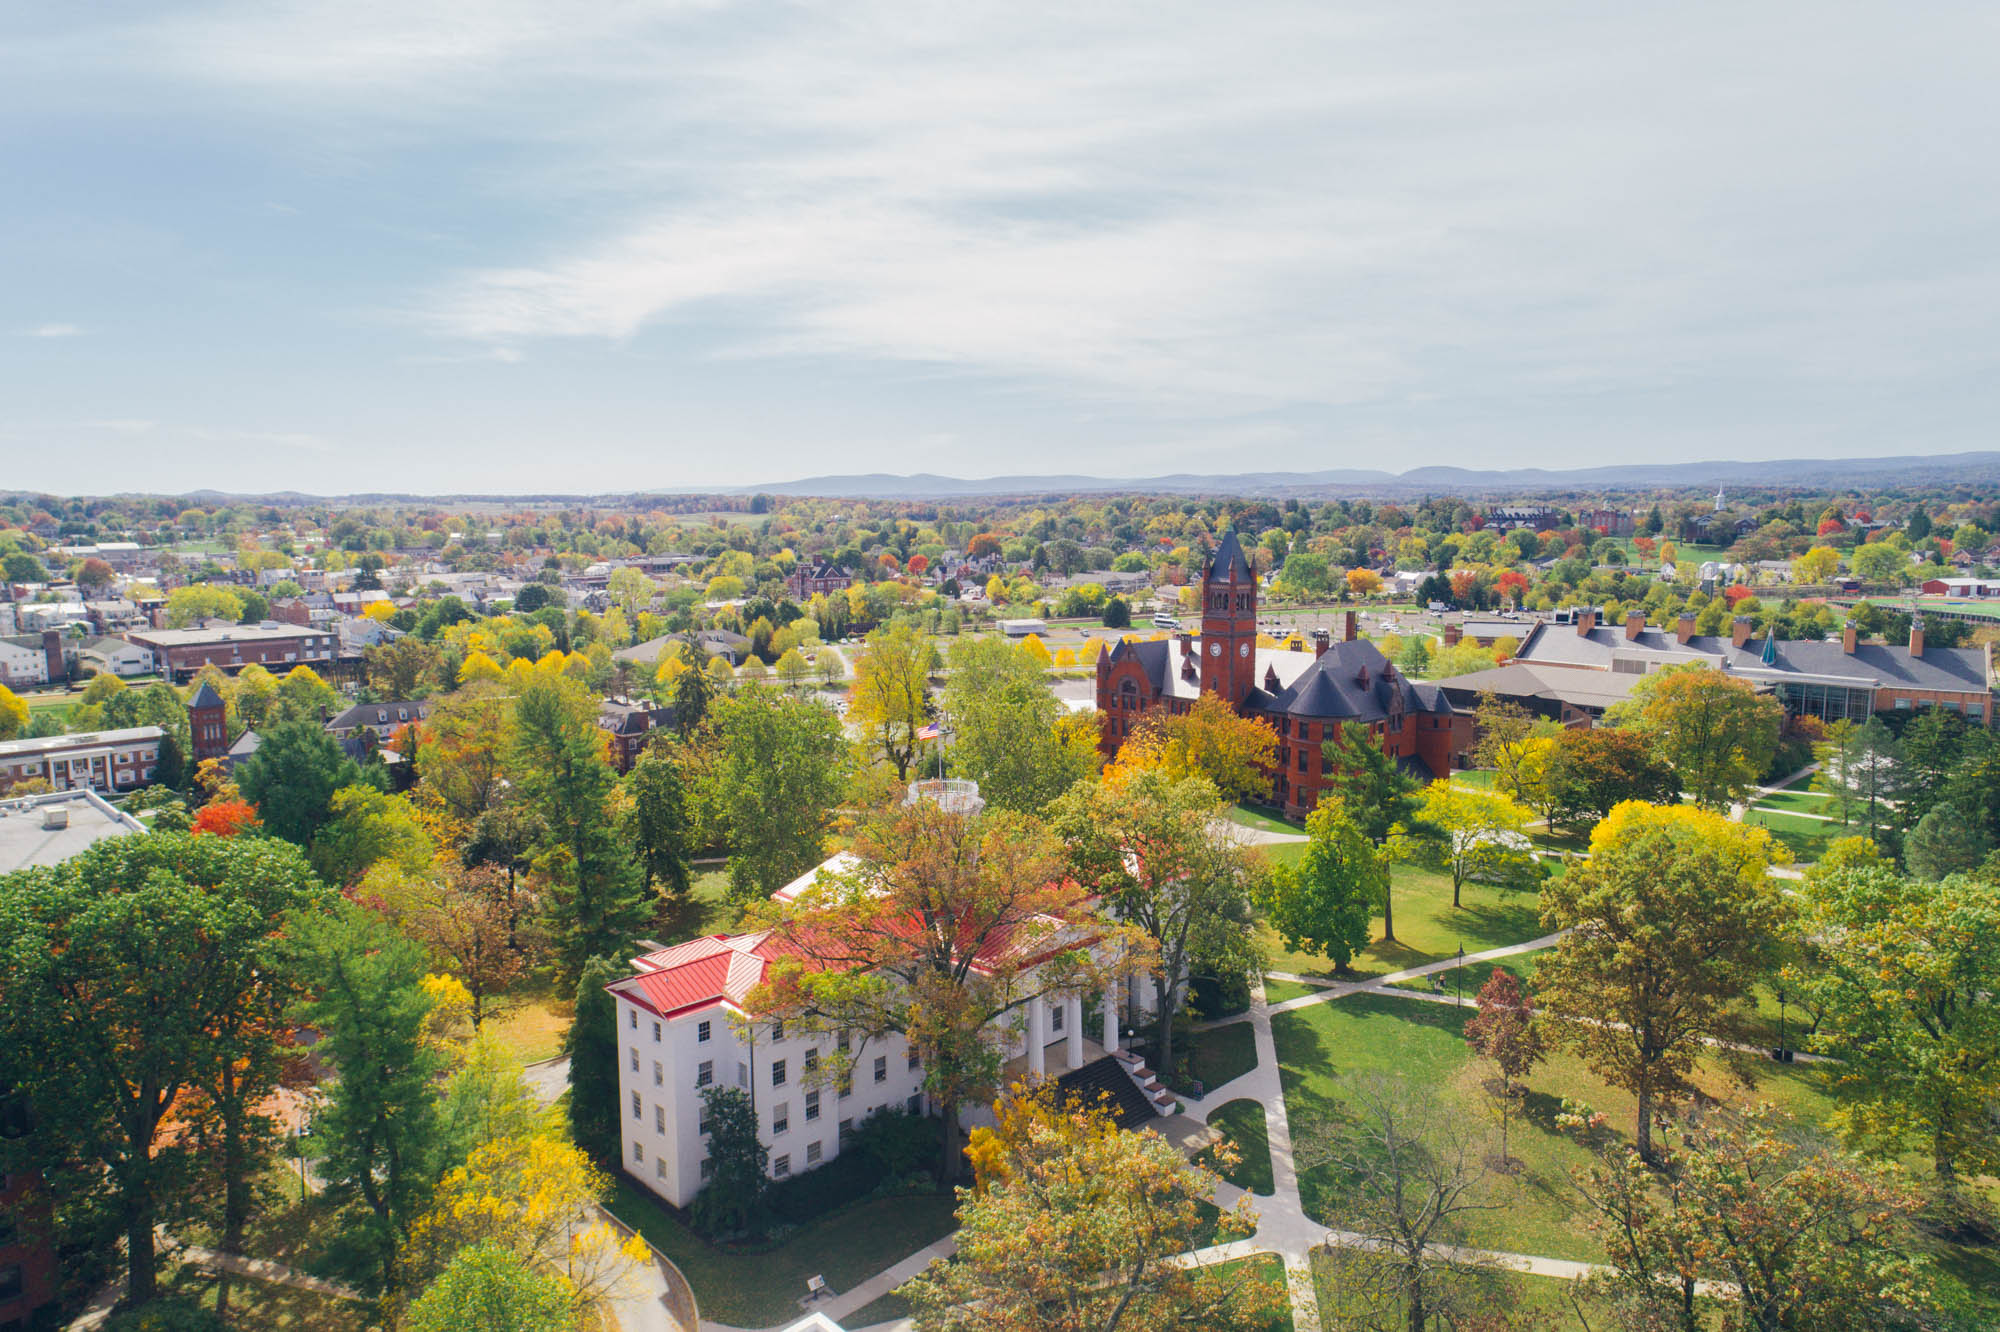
(1322, 903)
(594, 900)
(890, 697)
(1589, 771)
(1010, 733)
(1087, 1232)
(491, 1287)
(1158, 849)
(950, 921)
(466, 923)
(1904, 980)
(13, 714)
(1504, 1031)
(365, 826)
(1379, 796)
(144, 981)
(1716, 732)
(292, 779)
(768, 769)
(1504, 730)
(462, 752)
(402, 669)
(1669, 922)
(1210, 740)
(1480, 835)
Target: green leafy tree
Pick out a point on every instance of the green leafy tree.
(366, 826)
(292, 779)
(1592, 770)
(143, 978)
(694, 690)
(1670, 921)
(1383, 800)
(1945, 841)
(773, 767)
(890, 700)
(1322, 903)
(591, 1044)
(202, 601)
(1009, 732)
(593, 896)
(655, 821)
(489, 1287)
(1904, 984)
(1716, 732)
(379, 1132)
(733, 1198)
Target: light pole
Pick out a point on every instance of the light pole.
(1781, 1023)
(1459, 975)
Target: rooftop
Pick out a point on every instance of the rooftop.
(28, 839)
(222, 633)
(59, 744)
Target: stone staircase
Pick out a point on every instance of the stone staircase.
(1110, 1079)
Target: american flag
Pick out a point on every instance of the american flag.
(931, 732)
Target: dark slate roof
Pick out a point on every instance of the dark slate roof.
(1155, 657)
(205, 697)
(380, 714)
(1332, 687)
(1876, 664)
(1229, 561)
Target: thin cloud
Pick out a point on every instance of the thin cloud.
(54, 331)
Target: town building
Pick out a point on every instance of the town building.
(1308, 698)
(630, 723)
(25, 658)
(96, 760)
(1975, 588)
(273, 645)
(815, 577)
(208, 724)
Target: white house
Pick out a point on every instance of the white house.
(23, 661)
(115, 656)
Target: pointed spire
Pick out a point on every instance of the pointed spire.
(1229, 561)
(1770, 652)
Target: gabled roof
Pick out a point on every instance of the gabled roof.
(1229, 562)
(205, 697)
(1351, 680)
(714, 968)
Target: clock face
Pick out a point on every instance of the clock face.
(1215, 649)
(1242, 649)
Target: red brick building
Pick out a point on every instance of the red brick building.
(814, 577)
(1307, 697)
(274, 646)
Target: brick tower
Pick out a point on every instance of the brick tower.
(1229, 624)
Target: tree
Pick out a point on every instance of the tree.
(950, 921)
(694, 690)
(655, 821)
(1863, 770)
(1755, 1225)
(292, 779)
(202, 601)
(1363, 582)
(733, 1198)
(1210, 740)
(462, 752)
(1481, 835)
(467, 923)
(489, 1286)
(13, 714)
(594, 899)
(793, 668)
(365, 826)
(1588, 772)
(1945, 841)
(1117, 614)
(400, 669)
(1817, 565)
(591, 1045)
(1879, 562)
(1010, 733)
(379, 1132)
(890, 699)
(1158, 849)
(1904, 984)
(1410, 1175)
(1504, 1031)
(1716, 732)
(1669, 921)
(1086, 1234)
(1380, 797)
(225, 818)
(770, 769)
(1322, 904)
(630, 590)
(141, 981)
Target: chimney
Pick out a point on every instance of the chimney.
(1586, 620)
(1916, 635)
(1452, 634)
(1850, 638)
(1348, 631)
(1684, 627)
(52, 651)
(1187, 645)
(1321, 641)
(1739, 631)
(1635, 624)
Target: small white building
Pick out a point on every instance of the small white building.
(23, 661)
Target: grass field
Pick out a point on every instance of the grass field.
(707, 910)
(1807, 839)
(1223, 1054)
(1242, 1123)
(756, 1289)
(1531, 1210)
(1482, 778)
(532, 1021)
(1514, 1292)
(1797, 802)
(1277, 991)
(262, 1304)
(1263, 819)
(1428, 927)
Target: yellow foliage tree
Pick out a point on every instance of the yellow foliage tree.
(1028, 1105)
(1037, 651)
(1363, 582)
(478, 666)
(1209, 740)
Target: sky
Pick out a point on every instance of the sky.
(590, 245)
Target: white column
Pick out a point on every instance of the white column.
(1073, 1030)
(1111, 1017)
(1037, 1036)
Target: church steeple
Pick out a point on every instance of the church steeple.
(1229, 623)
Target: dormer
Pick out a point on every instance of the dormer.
(1270, 679)
(1361, 677)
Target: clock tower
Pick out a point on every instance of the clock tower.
(1229, 624)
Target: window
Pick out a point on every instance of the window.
(702, 1125)
(812, 1062)
(701, 1031)
(812, 1153)
(659, 1167)
(781, 1119)
(659, 1119)
(659, 1074)
(846, 1041)
(638, 1151)
(777, 1072)
(707, 1166)
(812, 1106)
(656, 1033)
(1055, 1024)
(781, 1167)
(633, 1014)
(881, 1068)
(846, 1085)
(635, 1059)
(916, 1106)
(914, 1061)
(742, 1074)
(778, 1030)
(635, 1105)
(704, 1073)
(846, 1127)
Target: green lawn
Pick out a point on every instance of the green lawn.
(707, 910)
(1223, 1054)
(1531, 1210)
(1277, 991)
(1797, 802)
(1477, 974)
(756, 1289)
(1428, 927)
(1242, 1123)
(1514, 1292)
(1270, 1269)
(1264, 819)
(263, 1304)
(1807, 839)
(1479, 777)
(885, 1310)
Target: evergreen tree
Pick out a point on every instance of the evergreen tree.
(591, 1046)
(292, 778)
(1377, 795)
(656, 821)
(694, 691)
(733, 1198)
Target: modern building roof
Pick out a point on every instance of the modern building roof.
(49, 829)
(62, 744)
(1561, 684)
(224, 633)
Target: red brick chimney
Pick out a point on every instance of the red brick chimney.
(1916, 635)
(1739, 631)
(1850, 638)
(52, 650)
(1349, 630)
(1684, 628)
(1586, 620)
(1321, 641)
(1187, 645)
(1635, 624)
(1452, 635)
